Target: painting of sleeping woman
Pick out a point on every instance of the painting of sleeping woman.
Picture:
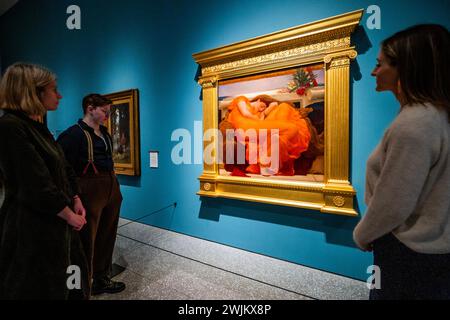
(272, 125)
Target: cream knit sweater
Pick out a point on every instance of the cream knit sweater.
(408, 182)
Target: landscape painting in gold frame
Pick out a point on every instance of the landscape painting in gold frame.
(305, 70)
(123, 126)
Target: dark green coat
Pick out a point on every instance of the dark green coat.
(35, 244)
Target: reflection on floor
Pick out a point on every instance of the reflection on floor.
(163, 265)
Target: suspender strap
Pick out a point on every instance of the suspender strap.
(90, 152)
(109, 144)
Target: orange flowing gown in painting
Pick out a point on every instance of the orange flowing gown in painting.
(294, 135)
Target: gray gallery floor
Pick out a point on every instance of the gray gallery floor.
(161, 264)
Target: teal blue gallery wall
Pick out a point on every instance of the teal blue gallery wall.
(149, 45)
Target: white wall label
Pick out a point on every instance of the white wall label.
(153, 159)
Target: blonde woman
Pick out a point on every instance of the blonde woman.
(41, 205)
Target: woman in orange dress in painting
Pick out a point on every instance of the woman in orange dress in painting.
(264, 112)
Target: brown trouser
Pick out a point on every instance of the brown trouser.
(101, 198)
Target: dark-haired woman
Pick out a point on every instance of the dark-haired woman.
(407, 222)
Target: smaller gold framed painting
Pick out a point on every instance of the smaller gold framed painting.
(123, 126)
(276, 112)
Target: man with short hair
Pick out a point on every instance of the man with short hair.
(88, 148)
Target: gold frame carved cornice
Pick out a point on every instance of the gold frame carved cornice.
(326, 41)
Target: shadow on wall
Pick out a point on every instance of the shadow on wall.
(337, 229)
(360, 40)
(129, 181)
(362, 44)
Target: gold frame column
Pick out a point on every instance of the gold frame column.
(338, 192)
(210, 121)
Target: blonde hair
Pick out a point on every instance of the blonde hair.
(268, 99)
(21, 87)
(264, 98)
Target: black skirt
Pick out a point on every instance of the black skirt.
(408, 275)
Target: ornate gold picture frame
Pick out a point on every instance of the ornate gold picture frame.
(123, 125)
(313, 60)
